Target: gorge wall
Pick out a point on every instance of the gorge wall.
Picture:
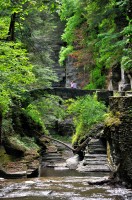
(119, 136)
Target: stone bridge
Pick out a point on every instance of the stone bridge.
(67, 93)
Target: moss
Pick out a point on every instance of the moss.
(4, 157)
(16, 145)
(112, 118)
(23, 143)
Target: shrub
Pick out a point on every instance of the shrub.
(86, 111)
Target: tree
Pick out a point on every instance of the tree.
(16, 70)
(105, 28)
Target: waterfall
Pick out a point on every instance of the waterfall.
(122, 82)
(130, 78)
(110, 86)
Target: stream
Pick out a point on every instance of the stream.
(61, 185)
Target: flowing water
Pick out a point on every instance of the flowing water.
(60, 185)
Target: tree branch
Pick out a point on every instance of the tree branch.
(79, 148)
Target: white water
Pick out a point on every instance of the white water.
(110, 86)
(122, 82)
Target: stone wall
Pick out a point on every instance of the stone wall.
(66, 93)
(119, 136)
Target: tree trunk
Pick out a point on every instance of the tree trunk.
(11, 32)
(77, 150)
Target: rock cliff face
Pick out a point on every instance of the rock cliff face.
(119, 79)
(119, 136)
(56, 43)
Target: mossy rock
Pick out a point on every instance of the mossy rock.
(14, 147)
(4, 157)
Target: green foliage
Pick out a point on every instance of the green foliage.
(106, 34)
(68, 7)
(15, 72)
(71, 12)
(46, 111)
(126, 61)
(97, 80)
(87, 111)
(65, 51)
(69, 34)
(66, 139)
(41, 31)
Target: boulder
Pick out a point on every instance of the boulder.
(72, 162)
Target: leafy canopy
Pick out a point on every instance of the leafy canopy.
(17, 74)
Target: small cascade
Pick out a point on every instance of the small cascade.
(130, 78)
(110, 86)
(122, 82)
(126, 81)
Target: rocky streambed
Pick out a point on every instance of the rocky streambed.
(58, 185)
(61, 179)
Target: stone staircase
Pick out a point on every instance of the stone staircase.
(55, 156)
(95, 159)
(50, 159)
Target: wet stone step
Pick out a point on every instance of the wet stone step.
(88, 155)
(95, 168)
(95, 145)
(52, 159)
(51, 154)
(97, 151)
(94, 162)
(95, 142)
(58, 164)
(95, 159)
(99, 147)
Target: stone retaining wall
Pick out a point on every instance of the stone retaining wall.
(66, 93)
(120, 137)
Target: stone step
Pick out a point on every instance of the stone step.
(52, 158)
(96, 146)
(95, 159)
(88, 155)
(95, 162)
(51, 154)
(51, 161)
(97, 151)
(58, 164)
(95, 168)
(49, 158)
(95, 142)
